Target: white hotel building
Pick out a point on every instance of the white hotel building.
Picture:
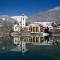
(33, 27)
(21, 22)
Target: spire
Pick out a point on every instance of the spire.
(23, 14)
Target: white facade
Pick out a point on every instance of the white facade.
(16, 27)
(21, 20)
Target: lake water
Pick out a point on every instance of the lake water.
(30, 47)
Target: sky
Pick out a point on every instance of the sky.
(28, 7)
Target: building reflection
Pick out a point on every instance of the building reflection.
(21, 45)
(56, 40)
(21, 42)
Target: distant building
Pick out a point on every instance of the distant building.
(26, 29)
(35, 28)
(21, 20)
(44, 24)
(16, 28)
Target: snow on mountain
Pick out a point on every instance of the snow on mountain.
(55, 9)
(7, 21)
(52, 15)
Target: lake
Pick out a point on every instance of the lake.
(30, 47)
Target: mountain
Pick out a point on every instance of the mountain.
(55, 9)
(52, 15)
(7, 20)
(6, 23)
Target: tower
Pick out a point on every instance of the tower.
(21, 20)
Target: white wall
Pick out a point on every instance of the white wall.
(21, 20)
(16, 28)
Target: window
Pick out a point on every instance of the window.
(20, 22)
(23, 18)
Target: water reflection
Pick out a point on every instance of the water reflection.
(56, 40)
(5, 43)
(20, 43)
(31, 47)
